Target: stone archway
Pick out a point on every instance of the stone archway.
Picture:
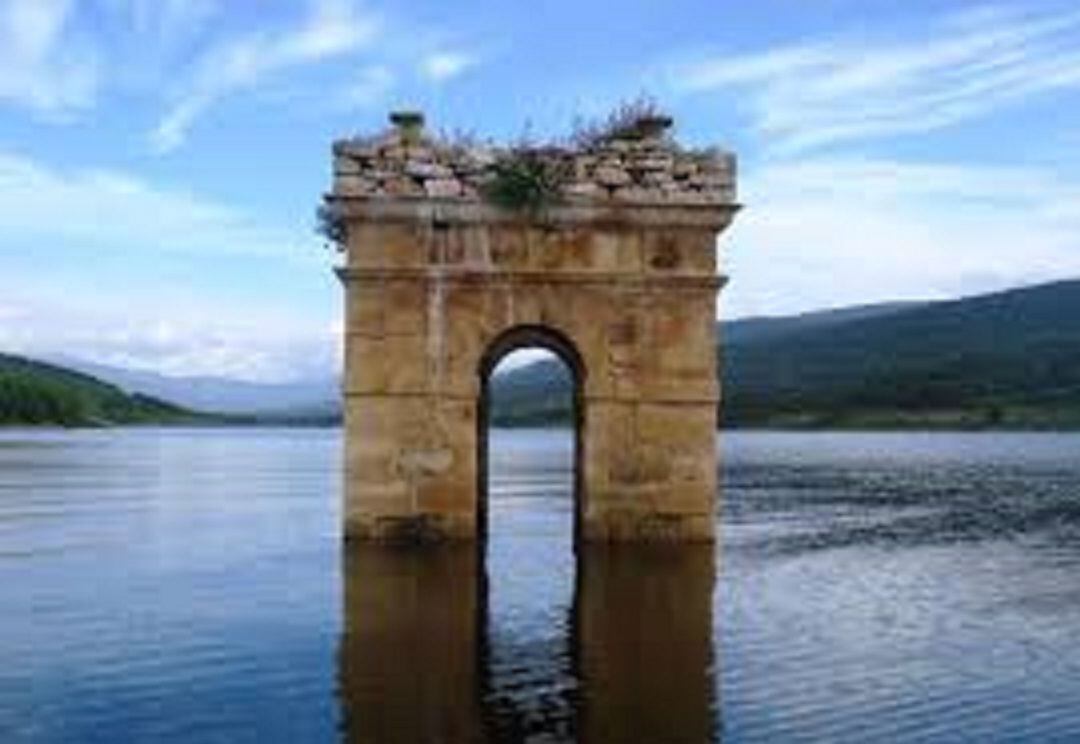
(556, 342)
(620, 268)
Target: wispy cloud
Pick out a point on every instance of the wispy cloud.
(332, 28)
(115, 210)
(848, 88)
(166, 22)
(368, 87)
(178, 336)
(445, 65)
(41, 67)
(830, 231)
(96, 265)
(144, 42)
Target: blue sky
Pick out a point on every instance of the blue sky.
(160, 159)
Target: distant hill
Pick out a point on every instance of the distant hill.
(1005, 359)
(757, 329)
(33, 392)
(998, 359)
(317, 397)
(534, 394)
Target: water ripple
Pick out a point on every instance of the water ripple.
(189, 586)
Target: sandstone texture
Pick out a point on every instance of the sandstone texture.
(619, 273)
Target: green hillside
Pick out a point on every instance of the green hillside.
(33, 392)
(1004, 359)
(534, 395)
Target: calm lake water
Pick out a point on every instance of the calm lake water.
(184, 585)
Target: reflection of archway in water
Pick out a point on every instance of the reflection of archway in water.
(529, 514)
(412, 665)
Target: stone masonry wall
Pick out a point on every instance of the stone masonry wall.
(650, 167)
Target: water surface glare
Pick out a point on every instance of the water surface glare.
(189, 585)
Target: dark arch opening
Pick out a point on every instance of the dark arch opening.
(529, 675)
(510, 340)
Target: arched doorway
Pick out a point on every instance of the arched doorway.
(529, 502)
(558, 344)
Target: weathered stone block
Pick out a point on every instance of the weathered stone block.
(353, 185)
(427, 169)
(443, 186)
(609, 175)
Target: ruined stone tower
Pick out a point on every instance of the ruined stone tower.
(456, 254)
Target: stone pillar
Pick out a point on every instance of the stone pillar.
(620, 265)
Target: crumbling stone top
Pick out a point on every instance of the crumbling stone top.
(641, 165)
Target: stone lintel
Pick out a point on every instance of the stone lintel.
(497, 277)
(666, 400)
(456, 211)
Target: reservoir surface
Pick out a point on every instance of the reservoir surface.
(190, 585)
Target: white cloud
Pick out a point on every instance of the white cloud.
(369, 87)
(167, 21)
(114, 210)
(828, 232)
(183, 318)
(333, 28)
(41, 67)
(439, 67)
(845, 89)
(173, 336)
(825, 227)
